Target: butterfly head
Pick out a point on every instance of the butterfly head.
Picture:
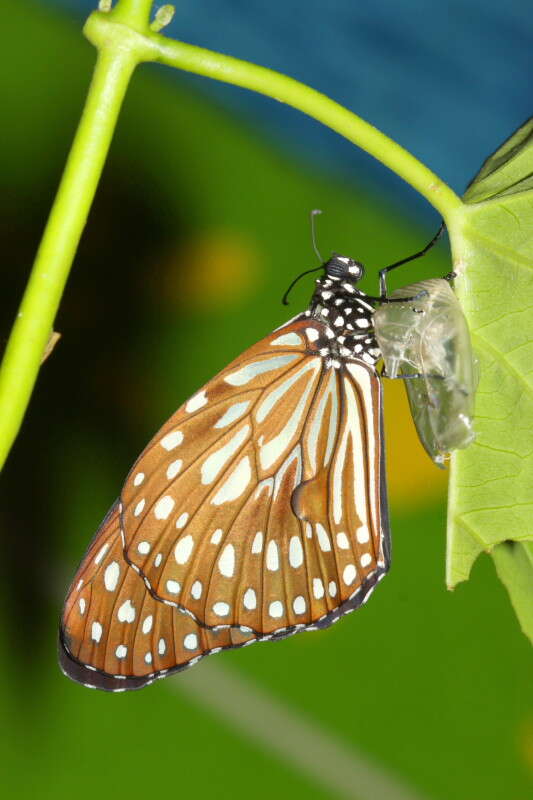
(344, 267)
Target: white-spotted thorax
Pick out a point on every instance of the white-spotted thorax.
(346, 312)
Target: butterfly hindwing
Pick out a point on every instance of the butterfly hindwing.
(114, 635)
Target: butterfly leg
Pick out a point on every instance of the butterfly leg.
(419, 296)
(383, 272)
(408, 376)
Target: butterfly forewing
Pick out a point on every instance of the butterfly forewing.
(115, 635)
(259, 503)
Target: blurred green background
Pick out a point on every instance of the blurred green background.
(199, 225)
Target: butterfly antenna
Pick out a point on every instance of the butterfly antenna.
(313, 214)
(295, 281)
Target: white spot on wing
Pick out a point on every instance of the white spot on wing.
(296, 554)
(342, 541)
(121, 651)
(362, 535)
(143, 548)
(235, 484)
(196, 590)
(147, 624)
(276, 609)
(287, 338)
(81, 602)
(111, 576)
(138, 479)
(352, 428)
(361, 460)
(318, 588)
(349, 574)
(174, 468)
(172, 440)
(333, 419)
(101, 553)
(323, 538)
(126, 612)
(250, 599)
(233, 413)
(96, 632)
(217, 536)
(318, 420)
(366, 559)
(272, 558)
(183, 549)
(221, 609)
(312, 334)
(332, 588)
(198, 401)
(173, 587)
(226, 562)
(190, 642)
(272, 450)
(250, 371)
(257, 544)
(163, 507)
(217, 460)
(299, 605)
(277, 393)
(161, 647)
(139, 507)
(182, 520)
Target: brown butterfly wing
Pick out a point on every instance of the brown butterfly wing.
(115, 636)
(261, 502)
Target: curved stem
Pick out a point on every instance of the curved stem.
(314, 104)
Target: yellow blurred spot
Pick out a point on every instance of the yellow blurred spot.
(525, 742)
(214, 269)
(412, 477)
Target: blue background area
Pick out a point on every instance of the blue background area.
(448, 80)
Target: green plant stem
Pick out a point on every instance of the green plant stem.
(133, 13)
(316, 105)
(35, 318)
(124, 39)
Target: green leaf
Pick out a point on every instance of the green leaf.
(491, 486)
(514, 565)
(508, 170)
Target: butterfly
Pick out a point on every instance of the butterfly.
(259, 510)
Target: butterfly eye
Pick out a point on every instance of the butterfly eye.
(344, 267)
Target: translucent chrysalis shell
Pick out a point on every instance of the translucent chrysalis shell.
(429, 336)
